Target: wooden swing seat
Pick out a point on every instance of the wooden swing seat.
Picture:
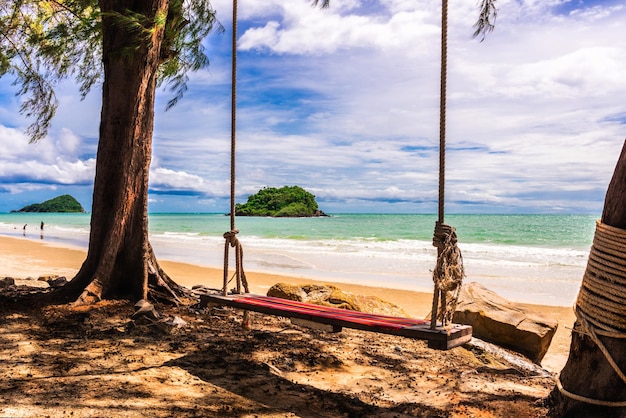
(439, 338)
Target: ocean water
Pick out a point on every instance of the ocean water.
(526, 258)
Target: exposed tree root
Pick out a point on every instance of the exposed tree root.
(87, 287)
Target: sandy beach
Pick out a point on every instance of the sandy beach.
(29, 258)
(88, 361)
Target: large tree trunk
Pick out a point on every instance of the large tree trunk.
(120, 261)
(587, 371)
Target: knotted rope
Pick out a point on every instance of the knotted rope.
(601, 303)
(448, 273)
(240, 275)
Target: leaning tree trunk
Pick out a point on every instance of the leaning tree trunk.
(587, 372)
(120, 261)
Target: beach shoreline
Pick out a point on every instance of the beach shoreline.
(22, 258)
(526, 259)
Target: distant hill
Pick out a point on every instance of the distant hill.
(65, 203)
(288, 201)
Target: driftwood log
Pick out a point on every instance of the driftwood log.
(504, 323)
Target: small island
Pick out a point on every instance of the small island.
(284, 202)
(64, 203)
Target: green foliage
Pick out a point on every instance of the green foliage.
(294, 210)
(65, 203)
(322, 3)
(288, 201)
(486, 19)
(45, 42)
(188, 24)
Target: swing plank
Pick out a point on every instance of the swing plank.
(438, 338)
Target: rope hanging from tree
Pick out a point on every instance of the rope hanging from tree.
(449, 272)
(231, 236)
(601, 303)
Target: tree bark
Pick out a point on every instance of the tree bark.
(120, 261)
(587, 371)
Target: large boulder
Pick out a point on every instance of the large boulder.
(287, 291)
(328, 295)
(505, 323)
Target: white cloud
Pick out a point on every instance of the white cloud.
(51, 161)
(163, 179)
(586, 72)
(309, 31)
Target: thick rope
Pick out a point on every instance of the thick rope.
(601, 303)
(602, 296)
(231, 236)
(240, 275)
(233, 117)
(448, 274)
(442, 109)
(585, 399)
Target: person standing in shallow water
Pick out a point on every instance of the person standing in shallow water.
(41, 227)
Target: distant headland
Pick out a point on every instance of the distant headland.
(284, 202)
(64, 203)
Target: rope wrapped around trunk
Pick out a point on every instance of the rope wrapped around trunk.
(601, 303)
(449, 272)
(602, 296)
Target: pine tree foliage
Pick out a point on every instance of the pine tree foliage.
(486, 20)
(43, 43)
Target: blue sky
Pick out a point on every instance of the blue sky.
(345, 103)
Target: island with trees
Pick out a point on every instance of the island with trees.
(64, 203)
(287, 201)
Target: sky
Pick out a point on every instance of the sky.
(344, 102)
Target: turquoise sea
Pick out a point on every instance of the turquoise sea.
(528, 258)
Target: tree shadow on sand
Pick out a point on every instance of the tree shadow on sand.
(268, 392)
(96, 361)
